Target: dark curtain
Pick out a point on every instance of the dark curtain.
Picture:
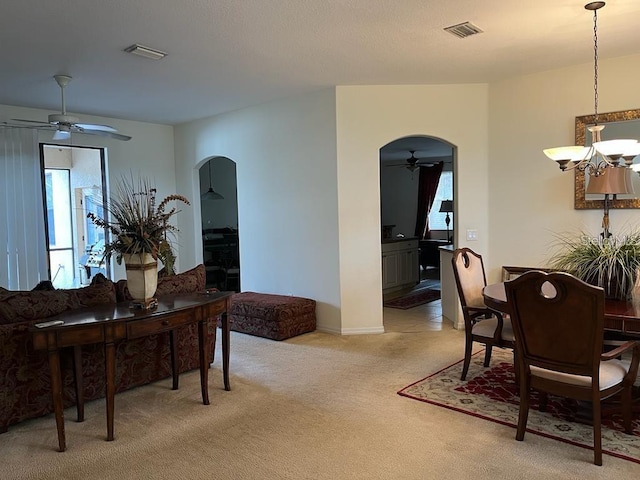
(427, 186)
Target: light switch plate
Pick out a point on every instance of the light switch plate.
(472, 235)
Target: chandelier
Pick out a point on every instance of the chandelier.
(598, 158)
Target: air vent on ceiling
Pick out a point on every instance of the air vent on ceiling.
(145, 52)
(463, 30)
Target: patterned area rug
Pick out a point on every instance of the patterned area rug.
(413, 299)
(491, 394)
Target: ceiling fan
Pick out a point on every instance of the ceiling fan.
(64, 125)
(412, 163)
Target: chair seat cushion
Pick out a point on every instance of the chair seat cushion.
(612, 373)
(487, 327)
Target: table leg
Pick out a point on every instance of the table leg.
(56, 392)
(173, 345)
(110, 374)
(77, 374)
(204, 362)
(226, 342)
(213, 341)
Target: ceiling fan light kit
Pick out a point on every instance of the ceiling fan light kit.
(64, 125)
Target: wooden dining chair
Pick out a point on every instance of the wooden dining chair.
(481, 324)
(558, 321)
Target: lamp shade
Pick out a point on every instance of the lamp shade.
(572, 153)
(613, 180)
(614, 147)
(211, 194)
(446, 206)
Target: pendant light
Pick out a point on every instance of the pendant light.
(211, 194)
(600, 155)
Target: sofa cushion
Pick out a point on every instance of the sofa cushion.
(100, 291)
(19, 306)
(193, 280)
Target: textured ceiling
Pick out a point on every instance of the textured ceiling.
(227, 54)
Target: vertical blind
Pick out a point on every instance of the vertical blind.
(23, 256)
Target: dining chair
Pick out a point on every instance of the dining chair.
(481, 324)
(558, 321)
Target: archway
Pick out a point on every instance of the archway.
(219, 215)
(417, 233)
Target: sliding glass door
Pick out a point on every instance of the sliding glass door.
(73, 185)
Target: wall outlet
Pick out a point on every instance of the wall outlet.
(472, 235)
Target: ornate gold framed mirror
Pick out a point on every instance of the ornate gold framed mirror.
(625, 121)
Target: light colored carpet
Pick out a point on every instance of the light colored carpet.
(316, 406)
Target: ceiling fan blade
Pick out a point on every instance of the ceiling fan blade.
(104, 133)
(93, 126)
(66, 124)
(44, 124)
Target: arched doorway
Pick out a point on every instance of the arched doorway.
(219, 214)
(416, 211)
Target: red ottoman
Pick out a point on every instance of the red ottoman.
(272, 316)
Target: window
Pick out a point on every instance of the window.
(73, 186)
(51, 223)
(444, 192)
(58, 197)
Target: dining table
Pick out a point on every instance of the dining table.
(621, 321)
(620, 316)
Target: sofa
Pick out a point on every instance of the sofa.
(25, 386)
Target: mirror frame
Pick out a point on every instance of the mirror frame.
(581, 203)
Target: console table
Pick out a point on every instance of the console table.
(108, 324)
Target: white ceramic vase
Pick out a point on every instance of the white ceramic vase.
(142, 276)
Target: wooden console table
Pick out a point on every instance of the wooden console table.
(111, 323)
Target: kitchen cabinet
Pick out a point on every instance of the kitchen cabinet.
(400, 264)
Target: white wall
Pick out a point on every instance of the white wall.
(150, 153)
(371, 116)
(287, 195)
(309, 210)
(530, 198)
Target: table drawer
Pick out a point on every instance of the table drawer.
(143, 328)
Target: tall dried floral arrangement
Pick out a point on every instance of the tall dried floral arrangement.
(137, 223)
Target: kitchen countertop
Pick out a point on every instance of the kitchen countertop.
(396, 239)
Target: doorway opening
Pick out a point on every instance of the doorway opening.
(73, 185)
(220, 235)
(416, 211)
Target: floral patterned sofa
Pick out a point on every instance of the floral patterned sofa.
(25, 387)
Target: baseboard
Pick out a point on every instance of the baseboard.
(351, 331)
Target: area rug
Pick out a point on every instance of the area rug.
(413, 299)
(491, 394)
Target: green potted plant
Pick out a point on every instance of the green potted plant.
(140, 233)
(611, 263)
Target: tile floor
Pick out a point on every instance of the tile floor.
(423, 318)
